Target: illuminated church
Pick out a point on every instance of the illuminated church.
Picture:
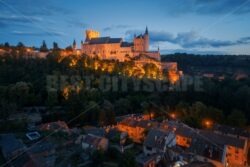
(117, 49)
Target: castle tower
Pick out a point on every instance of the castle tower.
(146, 40)
(91, 34)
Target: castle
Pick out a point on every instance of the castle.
(117, 49)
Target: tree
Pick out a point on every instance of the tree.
(97, 157)
(52, 98)
(69, 48)
(215, 114)
(107, 115)
(74, 45)
(20, 45)
(151, 70)
(6, 45)
(182, 109)
(128, 159)
(236, 118)
(197, 110)
(6, 109)
(43, 47)
(122, 106)
(20, 93)
(55, 46)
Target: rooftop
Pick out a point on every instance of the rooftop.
(9, 144)
(143, 159)
(156, 138)
(94, 131)
(199, 164)
(93, 140)
(223, 140)
(231, 130)
(104, 40)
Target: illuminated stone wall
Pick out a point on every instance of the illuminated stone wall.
(91, 34)
(135, 133)
(107, 51)
(236, 156)
(183, 141)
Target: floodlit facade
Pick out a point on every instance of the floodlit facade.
(116, 48)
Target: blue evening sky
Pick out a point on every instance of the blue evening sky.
(193, 26)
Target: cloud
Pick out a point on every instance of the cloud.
(119, 26)
(77, 23)
(244, 40)
(25, 33)
(189, 39)
(19, 19)
(13, 20)
(34, 8)
(222, 6)
(206, 7)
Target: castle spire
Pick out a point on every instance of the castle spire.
(146, 31)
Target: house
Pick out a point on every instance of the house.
(55, 126)
(184, 136)
(157, 141)
(146, 160)
(114, 135)
(43, 154)
(33, 135)
(199, 164)
(212, 146)
(2, 52)
(231, 131)
(11, 146)
(220, 146)
(183, 133)
(91, 142)
(94, 131)
(14, 151)
(219, 149)
(136, 127)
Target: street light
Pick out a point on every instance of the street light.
(173, 116)
(207, 123)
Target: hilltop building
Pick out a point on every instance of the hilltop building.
(116, 48)
(108, 48)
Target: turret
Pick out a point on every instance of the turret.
(146, 31)
(146, 40)
(91, 34)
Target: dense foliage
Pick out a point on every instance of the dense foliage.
(23, 84)
(220, 64)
